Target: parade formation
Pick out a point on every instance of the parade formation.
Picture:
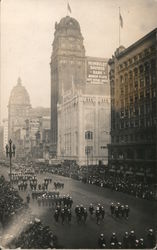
(48, 194)
(79, 170)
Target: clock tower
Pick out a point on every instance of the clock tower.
(67, 66)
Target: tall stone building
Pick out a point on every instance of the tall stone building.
(133, 79)
(18, 109)
(80, 98)
(67, 65)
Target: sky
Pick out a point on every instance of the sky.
(27, 33)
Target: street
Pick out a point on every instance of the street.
(73, 235)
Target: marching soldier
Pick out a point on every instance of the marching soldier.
(101, 241)
(102, 212)
(112, 208)
(132, 239)
(114, 239)
(97, 213)
(91, 209)
(69, 215)
(141, 244)
(126, 211)
(56, 215)
(151, 240)
(126, 240)
(116, 211)
(63, 216)
(85, 214)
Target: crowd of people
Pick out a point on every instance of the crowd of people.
(126, 185)
(128, 241)
(36, 236)
(10, 201)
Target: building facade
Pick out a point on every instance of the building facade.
(83, 128)
(24, 122)
(18, 109)
(133, 81)
(80, 91)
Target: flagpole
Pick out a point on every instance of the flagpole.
(119, 26)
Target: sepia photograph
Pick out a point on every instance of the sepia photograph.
(78, 124)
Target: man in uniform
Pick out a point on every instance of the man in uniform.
(79, 215)
(116, 212)
(126, 240)
(56, 215)
(97, 213)
(114, 239)
(151, 239)
(76, 209)
(142, 244)
(132, 239)
(102, 212)
(112, 208)
(91, 209)
(85, 214)
(126, 211)
(63, 216)
(101, 241)
(69, 215)
(28, 198)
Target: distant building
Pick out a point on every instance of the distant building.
(40, 112)
(133, 80)
(36, 135)
(18, 109)
(80, 92)
(24, 121)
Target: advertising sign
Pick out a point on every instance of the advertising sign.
(97, 71)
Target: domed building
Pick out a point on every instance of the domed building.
(18, 108)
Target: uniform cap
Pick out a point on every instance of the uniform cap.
(113, 234)
(102, 235)
(132, 232)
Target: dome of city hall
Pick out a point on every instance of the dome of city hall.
(19, 95)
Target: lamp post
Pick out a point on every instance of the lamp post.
(10, 152)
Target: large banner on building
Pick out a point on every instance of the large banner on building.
(97, 70)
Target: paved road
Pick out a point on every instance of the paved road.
(141, 218)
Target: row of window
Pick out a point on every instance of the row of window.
(141, 137)
(137, 58)
(134, 123)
